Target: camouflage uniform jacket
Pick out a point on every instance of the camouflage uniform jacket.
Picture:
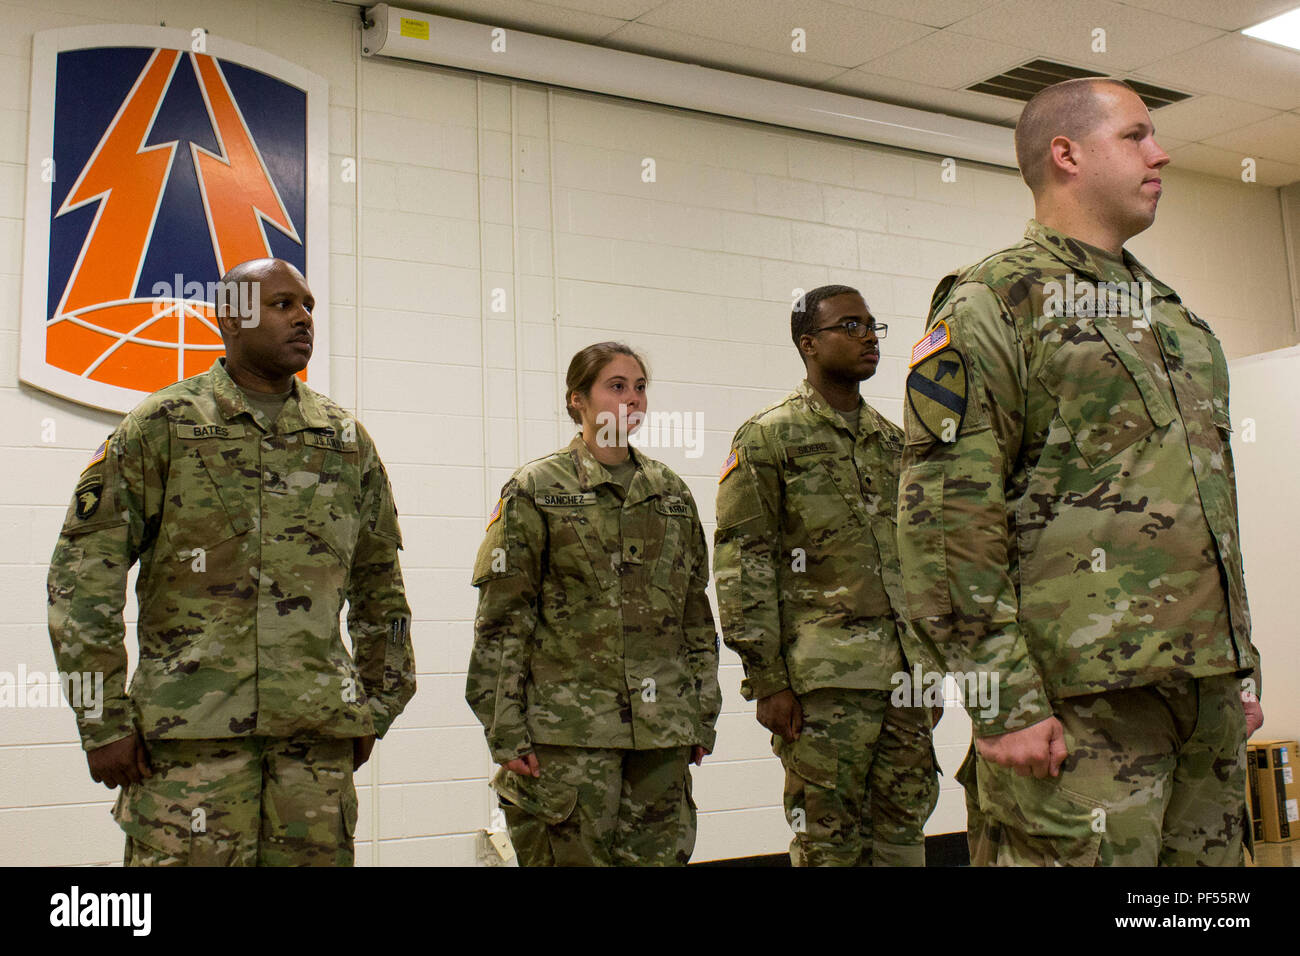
(805, 554)
(1080, 533)
(593, 625)
(249, 537)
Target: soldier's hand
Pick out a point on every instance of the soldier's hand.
(781, 714)
(698, 753)
(525, 766)
(1039, 750)
(361, 749)
(119, 764)
(1254, 715)
(936, 715)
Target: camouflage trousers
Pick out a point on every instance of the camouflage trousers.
(246, 801)
(860, 780)
(1155, 775)
(595, 807)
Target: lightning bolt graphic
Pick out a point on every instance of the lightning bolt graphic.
(127, 180)
(238, 195)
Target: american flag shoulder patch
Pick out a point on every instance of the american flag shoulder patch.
(937, 338)
(730, 465)
(496, 513)
(97, 457)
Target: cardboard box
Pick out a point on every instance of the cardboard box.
(1253, 808)
(1277, 789)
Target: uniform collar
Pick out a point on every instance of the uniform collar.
(646, 484)
(1091, 261)
(301, 411)
(820, 406)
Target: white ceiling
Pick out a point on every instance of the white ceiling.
(921, 53)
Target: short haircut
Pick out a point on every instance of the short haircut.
(586, 367)
(803, 318)
(1070, 108)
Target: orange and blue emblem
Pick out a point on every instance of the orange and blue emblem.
(172, 166)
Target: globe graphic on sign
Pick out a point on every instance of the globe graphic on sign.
(143, 344)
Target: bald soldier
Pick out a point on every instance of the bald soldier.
(1068, 519)
(811, 599)
(255, 507)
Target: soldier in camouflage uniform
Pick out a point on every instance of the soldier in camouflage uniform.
(810, 597)
(1068, 519)
(255, 508)
(594, 670)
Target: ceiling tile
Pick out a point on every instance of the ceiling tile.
(1227, 164)
(523, 15)
(671, 45)
(1064, 31)
(620, 9)
(1215, 13)
(835, 34)
(1277, 137)
(960, 103)
(1234, 66)
(1207, 115)
(933, 13)
(947, 59)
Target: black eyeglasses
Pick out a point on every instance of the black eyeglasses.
(859, 330)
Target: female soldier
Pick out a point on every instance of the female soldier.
(594, 670)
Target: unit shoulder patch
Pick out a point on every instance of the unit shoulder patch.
(89, 493)
(936, 392)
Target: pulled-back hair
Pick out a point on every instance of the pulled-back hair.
(586, 367)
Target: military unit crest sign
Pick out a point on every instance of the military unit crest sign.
(158, 159)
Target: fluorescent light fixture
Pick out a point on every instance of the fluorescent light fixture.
(424, 37)
(1283, 30)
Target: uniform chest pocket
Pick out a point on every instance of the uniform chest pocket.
(817, 492)
(205, 504)
(672, 519)
(327, 492)
(577, 553)
(1105, 395)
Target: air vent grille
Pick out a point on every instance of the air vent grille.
(1022, 82)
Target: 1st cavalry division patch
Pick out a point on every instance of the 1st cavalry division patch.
(936, 390)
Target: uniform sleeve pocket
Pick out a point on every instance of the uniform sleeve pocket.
(921, 541)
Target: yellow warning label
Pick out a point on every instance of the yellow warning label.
(415, 29)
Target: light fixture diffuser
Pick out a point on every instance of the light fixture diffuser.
(1284, 30)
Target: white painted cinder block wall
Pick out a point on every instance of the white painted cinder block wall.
(466, 185)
